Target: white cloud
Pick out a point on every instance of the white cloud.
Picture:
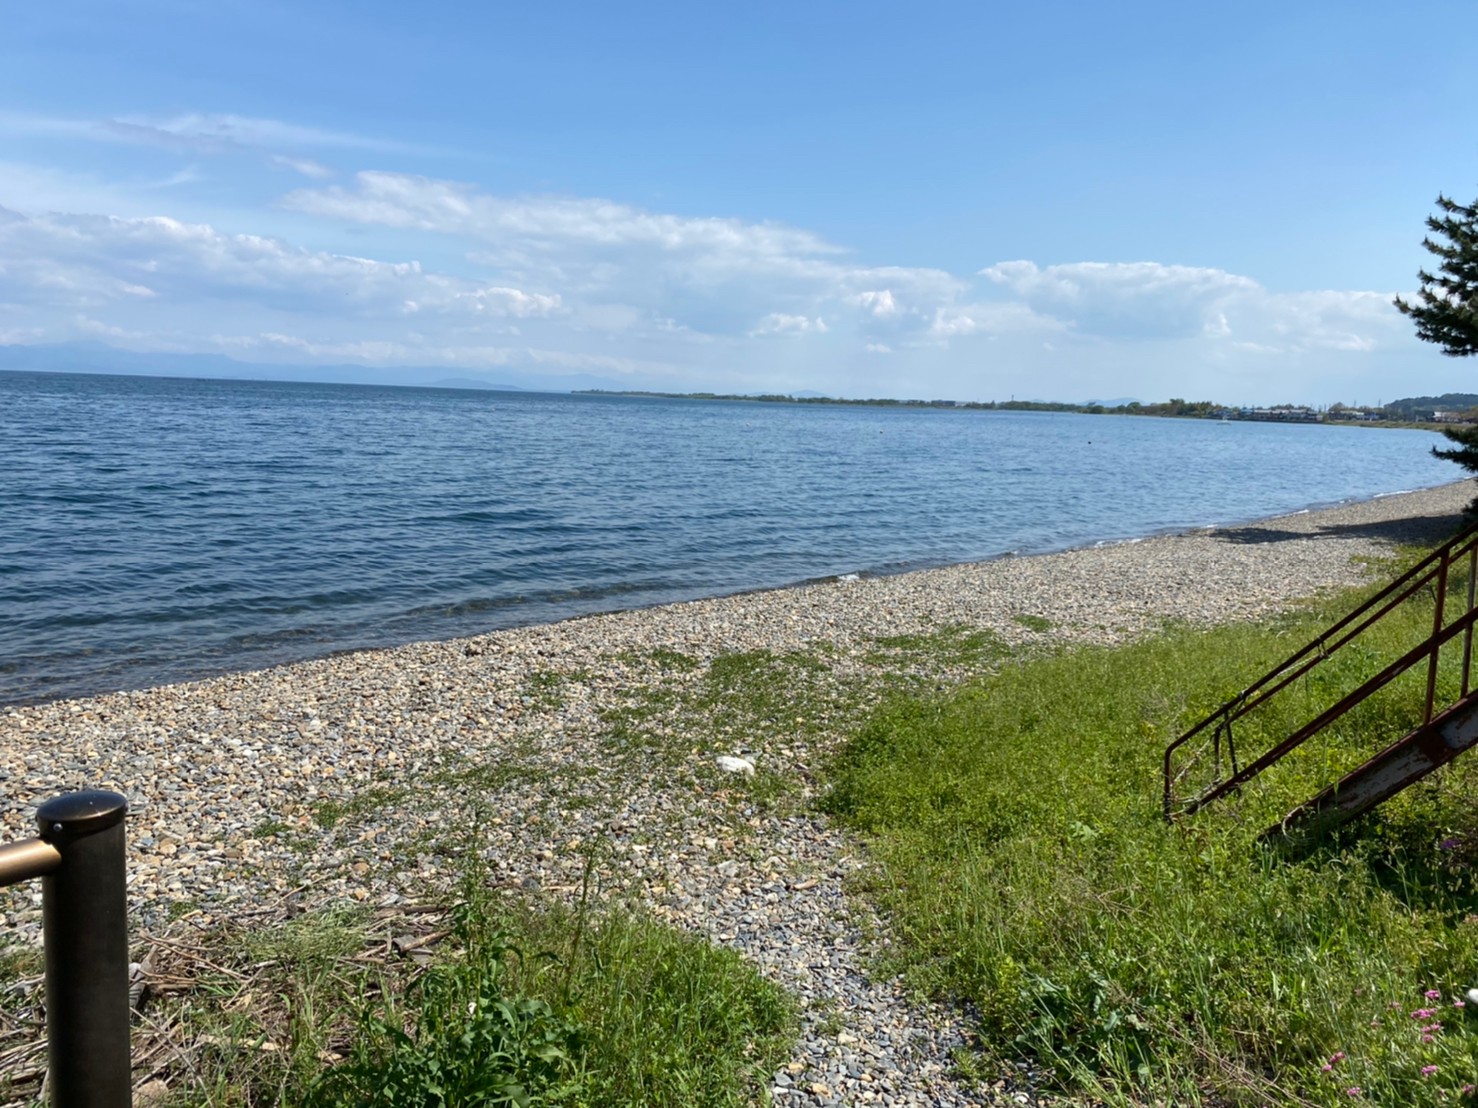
(879, 302)
(1153, 302)
(990, 319)
(1141, 299)
(661, 299)
(201, 132)
(779, 323)
(711, 274)
(306, 166)
(77, 261)
(269, 344)
(400, 200)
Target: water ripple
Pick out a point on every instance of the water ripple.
(157, 529)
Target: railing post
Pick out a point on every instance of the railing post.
(84, 911)
(1438, 618)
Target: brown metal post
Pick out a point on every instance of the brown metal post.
(84, 912)
(1468, 635)
(1437, 620)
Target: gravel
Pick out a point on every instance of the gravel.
(365, 776)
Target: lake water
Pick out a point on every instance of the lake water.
(153, 529)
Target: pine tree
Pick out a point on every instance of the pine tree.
(1446, 311)
(1446, 307)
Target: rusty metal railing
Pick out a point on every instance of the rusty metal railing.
(1217, 731)
(79, 856)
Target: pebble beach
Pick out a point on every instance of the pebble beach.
(360, 777)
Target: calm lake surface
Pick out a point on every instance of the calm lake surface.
(154, 529)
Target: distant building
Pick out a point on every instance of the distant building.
(1281, 415)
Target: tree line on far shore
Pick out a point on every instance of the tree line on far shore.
(1447, 408)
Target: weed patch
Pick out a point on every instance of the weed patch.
(507, 1002)
(1020, 856)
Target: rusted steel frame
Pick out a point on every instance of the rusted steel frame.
(1326, 649)
(1468, 635)
(1417, 754)
(27, 859)
(1241, 705)
(1245, 702)
(1438, 613)
(1329, 715)
(1413, 580)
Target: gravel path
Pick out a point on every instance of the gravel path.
(363, 776)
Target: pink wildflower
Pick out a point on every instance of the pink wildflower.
(1459, 1004)
(1354, 1090)
(1432, 994)
(1427, 1071)
(1423, 1014)
(1429, 1039)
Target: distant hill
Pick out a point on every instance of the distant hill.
(1412, 407)
(471, 383)
(97, 357)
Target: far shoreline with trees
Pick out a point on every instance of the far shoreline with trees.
(1424, 412)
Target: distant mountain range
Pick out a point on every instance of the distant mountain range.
(96, 357)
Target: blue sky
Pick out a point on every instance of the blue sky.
(970, 201)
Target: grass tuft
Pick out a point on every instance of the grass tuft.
(1021, 859)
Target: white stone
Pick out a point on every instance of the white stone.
(730, 764)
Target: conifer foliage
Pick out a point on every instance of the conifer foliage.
(1445, 310)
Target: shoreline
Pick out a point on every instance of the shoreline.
(864, 574)
(359, 777)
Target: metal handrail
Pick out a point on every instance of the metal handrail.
(79, 856)
(1432, 571)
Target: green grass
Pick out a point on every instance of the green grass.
(951, 646)
(329, 813)
(1022, 863)
(521, 1004)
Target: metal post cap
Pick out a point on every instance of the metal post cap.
(82, 813)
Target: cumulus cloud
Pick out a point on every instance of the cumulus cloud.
(401, 200)
(779, 323)
(670, 300)
(879, 302)
(1138, 299)
(1153, 302)
(990, 319)
(712, 274)
(80, 260)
